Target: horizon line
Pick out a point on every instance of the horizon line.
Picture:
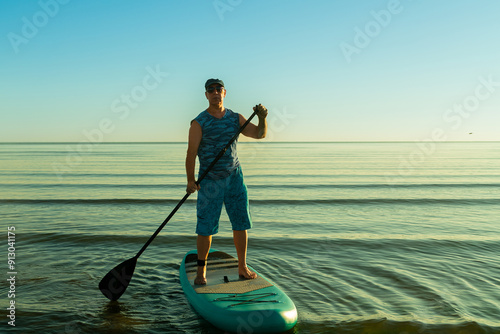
(247, 142)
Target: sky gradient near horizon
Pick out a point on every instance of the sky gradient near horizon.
(408, 70)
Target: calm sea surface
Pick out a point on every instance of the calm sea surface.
(364, 237)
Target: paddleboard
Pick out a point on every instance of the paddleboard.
(234, 304)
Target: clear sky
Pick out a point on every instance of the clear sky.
(123, 70)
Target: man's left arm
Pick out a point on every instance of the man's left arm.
(256, 131)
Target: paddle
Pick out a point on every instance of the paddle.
(115, 282)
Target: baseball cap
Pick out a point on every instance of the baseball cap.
(213, 81)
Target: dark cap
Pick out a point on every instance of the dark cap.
(213, 81)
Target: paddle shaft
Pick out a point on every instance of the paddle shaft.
(221, 153)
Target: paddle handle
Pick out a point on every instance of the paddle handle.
(221, 153)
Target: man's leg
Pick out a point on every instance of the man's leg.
(203, 245)
(208, 210)
(240, 242)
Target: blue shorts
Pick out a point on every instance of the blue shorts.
(230, 191)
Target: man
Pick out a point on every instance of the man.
(209, 133)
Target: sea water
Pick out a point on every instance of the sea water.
(363, 237)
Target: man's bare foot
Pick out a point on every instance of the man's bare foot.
(200, 281)
(201, 278)
(246, 273)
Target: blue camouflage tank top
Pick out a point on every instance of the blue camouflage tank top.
(216, 133)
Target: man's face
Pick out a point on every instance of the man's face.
(215, 94)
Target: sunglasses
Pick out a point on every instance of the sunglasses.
(219, 89)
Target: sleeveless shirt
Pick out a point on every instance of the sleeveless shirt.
(216, 133)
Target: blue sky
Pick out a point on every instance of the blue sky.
(415, 70)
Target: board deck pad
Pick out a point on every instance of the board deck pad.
(222, 275)
(234, 304)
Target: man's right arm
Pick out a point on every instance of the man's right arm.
(192, 151)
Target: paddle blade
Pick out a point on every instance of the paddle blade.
(115, 282)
